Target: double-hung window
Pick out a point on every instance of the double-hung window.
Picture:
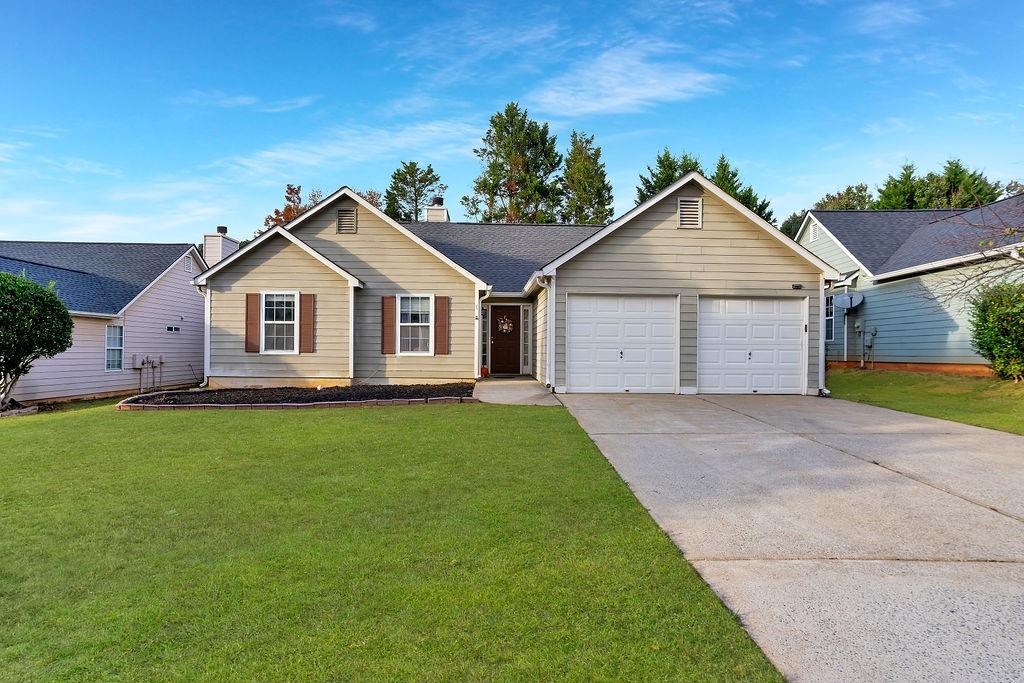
(115, 348)
(830, 319)
(415, 324)
(279, 324)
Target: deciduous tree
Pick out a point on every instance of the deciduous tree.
(518, 183)
(852, 197)
(294, 206)
(34, 324)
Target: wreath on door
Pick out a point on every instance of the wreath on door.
(505, 324)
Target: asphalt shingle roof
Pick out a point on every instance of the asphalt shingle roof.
(504, 255)
(91, 277)
(885, 241)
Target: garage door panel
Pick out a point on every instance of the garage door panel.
(751, 345)
(621, 343)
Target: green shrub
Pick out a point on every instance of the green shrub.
(34, 323)
(997, 328)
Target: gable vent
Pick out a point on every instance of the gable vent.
(691, 214)
(814, 231)
(347, 220)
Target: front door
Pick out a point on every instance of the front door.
(505, 340)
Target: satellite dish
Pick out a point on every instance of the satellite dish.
(848, 300)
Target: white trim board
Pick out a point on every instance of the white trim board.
(693, 176)
(810, 216)
(203, 277)
(190, 251)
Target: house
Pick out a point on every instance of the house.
(915, 271)
(688, 292)
(138, 321)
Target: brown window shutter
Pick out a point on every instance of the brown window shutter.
(306, 314)
(442, 347)
(387, 325)
(252, 322)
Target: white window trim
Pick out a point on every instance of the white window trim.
(828, 305)
(263, 324)
(399, 324)
(106, 348)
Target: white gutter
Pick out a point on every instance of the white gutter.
(956, 260)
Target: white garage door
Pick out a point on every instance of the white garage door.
(621, 343)
(751, 346)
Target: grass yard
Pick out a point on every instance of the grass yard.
(982, 401)
(421, 542)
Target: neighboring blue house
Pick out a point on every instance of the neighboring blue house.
(916, 271)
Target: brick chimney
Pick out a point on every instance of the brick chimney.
(437, 212)
(218, 246)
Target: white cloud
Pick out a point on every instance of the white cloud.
(8, 150)
(623, 79)
(360, 21)
(884, 17)
(39, 131)
(888, 125)
(984, 118)
(344, 146)
(218, 99)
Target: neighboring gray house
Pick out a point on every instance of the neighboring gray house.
(916, 271)
(136, 316)
(689, 292)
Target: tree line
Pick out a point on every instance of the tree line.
(525, 178)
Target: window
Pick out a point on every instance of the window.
(280, 325)
(415, 329)
(188, 264)
(830, 319)
(347, 220)
(690, 212)
(525, 317)
(484, 333)
(115, 347)
(173, 328)
(814, 231)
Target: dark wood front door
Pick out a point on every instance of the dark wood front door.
(505, 340)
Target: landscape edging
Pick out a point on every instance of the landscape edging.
(131, 403)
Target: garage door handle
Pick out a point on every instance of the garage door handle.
(750, 355)
(620, 353)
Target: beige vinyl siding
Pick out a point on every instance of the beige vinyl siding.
(649, 255)
(540, 336)
(389, 263)
(279, 265)
(81, 370)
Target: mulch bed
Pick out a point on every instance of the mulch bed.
(302, 395)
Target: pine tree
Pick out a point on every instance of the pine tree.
(727, 177)
(667, 169)
(899, 192)
(587, 192)
(410, 191)
(792, 224)
(956, 187)
(518, 183)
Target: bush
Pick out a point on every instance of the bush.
(997, 328)
(34, 323)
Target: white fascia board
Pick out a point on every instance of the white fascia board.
(840, 243)
(90, 314)
(693, 176)
(945, 263)
(195, 253)
(532, 284)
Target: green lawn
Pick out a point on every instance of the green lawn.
(982, 401)
(432, 542)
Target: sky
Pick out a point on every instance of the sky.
(155, 122)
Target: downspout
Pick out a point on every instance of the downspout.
(205, 291)
(552, 325)
(822, 389)
(541, 281)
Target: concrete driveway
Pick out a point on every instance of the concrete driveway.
(856, 543)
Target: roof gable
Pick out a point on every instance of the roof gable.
(92, 277)
(710, 187)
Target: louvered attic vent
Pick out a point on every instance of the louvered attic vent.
(691, 213)
(347, 220)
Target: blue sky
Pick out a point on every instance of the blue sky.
(158, 121)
